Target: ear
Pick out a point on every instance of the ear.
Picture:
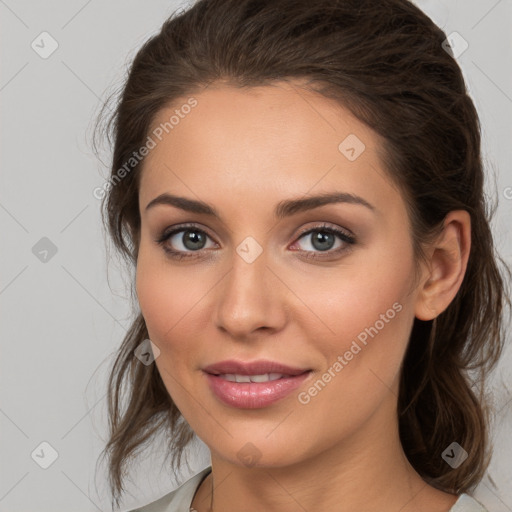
(448, 258)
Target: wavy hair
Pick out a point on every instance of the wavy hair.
(387, 63)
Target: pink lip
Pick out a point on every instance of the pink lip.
(253, 395)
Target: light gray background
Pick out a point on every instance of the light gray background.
(62, 319)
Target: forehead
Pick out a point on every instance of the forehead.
(253, 114)
(272, 141)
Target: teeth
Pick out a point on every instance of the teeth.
(232, 377)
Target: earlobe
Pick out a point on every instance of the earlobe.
(447, 265)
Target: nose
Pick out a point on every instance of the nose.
(250, 299)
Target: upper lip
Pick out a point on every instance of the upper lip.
(258, 367)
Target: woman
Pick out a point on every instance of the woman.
(300, 189)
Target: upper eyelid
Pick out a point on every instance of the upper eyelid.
(326, 226)
(171, 231)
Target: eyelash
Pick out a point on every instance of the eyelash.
(179, 255)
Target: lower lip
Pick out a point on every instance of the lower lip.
(254, 395)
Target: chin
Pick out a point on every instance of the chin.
(257, 451)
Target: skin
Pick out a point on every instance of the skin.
(243, 151)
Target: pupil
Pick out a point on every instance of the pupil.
(193, 240)
(322, 239)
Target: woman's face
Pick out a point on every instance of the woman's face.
(249, 285)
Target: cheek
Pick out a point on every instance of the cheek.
(371, 317)
(366, 312)
(172, 300)
(344, 302)
(167, 300)
(163, 296)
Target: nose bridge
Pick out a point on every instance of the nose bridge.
(249, 298)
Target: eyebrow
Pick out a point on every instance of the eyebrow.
(283, 209)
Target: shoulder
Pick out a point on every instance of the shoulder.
(178, 500)
(466, 503)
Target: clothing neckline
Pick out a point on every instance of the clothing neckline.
(205, 472)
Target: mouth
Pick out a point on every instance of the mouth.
(255, 384)
(264, 377)
(253, 368)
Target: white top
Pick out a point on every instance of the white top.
(180, 500)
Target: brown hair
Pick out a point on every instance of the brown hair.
(386, 63)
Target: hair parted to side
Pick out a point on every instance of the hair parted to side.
(384, 61)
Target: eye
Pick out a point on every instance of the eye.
(322, 239)
(184, 241)
(181, 242)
